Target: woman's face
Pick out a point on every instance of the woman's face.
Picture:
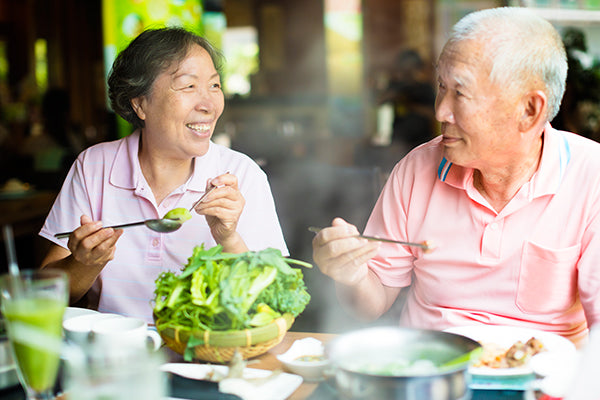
(183, 108)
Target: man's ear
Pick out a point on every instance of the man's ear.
(138, 106)
(535, 108)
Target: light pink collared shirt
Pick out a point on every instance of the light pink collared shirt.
(106, 183)
(535, 264)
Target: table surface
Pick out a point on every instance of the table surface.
(269, 361)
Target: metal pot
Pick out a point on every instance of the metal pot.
(352, 352)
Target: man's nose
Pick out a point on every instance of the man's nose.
(443, 109)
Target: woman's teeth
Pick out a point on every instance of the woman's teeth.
(199, 127)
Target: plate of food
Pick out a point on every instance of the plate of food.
(508, 350)
(15, 188)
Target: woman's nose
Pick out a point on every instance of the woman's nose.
(205, 102)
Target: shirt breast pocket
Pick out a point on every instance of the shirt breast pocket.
(547, 279)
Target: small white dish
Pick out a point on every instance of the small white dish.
(306, 357)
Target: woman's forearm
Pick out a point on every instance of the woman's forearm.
(81, 277)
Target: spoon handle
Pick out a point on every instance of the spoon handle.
(63, 235)
(426, 246)
(210, 189)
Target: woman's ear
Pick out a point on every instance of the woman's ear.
(137, 105)
(535, 108)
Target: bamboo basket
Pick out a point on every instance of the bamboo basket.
(220, 346)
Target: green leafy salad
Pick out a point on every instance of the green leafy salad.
(222, 291)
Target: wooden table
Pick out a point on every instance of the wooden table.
(269, 360)
(26, 214)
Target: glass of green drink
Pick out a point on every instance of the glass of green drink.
(33, 303)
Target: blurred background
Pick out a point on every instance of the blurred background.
(326, 95)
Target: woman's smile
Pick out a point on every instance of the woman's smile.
(202, 129)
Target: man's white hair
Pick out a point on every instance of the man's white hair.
(522, 47)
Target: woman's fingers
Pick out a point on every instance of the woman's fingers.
(90, 244)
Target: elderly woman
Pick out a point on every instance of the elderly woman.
(166, 84)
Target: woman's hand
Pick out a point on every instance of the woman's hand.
(92, 245)
(222, 208)
(341, 255)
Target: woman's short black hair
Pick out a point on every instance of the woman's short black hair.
(148, 55)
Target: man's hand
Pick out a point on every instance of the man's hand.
(341, 255)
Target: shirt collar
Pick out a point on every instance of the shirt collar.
(126, 172)
(556, 155)
(205, 167)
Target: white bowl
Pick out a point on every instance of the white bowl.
(314, 369)
(72, 312)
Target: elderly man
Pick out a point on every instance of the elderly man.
(512, 205)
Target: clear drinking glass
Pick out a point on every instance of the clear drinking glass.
(100, 371)
(33, 304)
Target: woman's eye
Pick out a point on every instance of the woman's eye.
(216, 85)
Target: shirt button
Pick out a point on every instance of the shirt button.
(494, 226)
(155, 242)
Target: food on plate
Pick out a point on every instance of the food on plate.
(311, 358)
(180, 213)
(14, 185)
(222, 291)
(517, 355)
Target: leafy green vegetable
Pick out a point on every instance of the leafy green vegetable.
(223, 291)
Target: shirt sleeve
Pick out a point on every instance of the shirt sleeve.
(393, 264)
(259, 223)
(71, 203)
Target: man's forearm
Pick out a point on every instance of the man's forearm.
(366, 300)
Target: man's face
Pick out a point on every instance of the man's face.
(477, 117)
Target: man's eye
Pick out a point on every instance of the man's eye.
(459, 93)
(216, 85)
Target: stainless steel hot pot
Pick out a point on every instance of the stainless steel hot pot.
(386, 345)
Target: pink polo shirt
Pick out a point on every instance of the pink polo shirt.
(106, 183)
(535, 264)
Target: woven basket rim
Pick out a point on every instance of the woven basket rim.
(246, 337)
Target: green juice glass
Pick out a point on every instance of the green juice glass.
(33, 304)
